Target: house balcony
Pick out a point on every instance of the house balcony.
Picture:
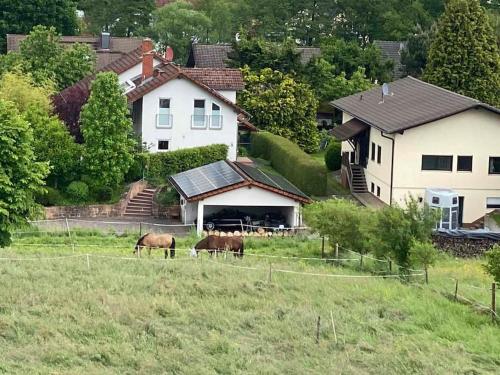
(216, 122)
(164, 121)
(199, 121)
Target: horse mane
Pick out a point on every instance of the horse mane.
(140, 239)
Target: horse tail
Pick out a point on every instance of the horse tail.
(139, 241)
(172, 245)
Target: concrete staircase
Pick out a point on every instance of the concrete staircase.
(358, 179)
(141, 205)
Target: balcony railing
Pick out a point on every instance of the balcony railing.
(164, 121)
(199, 121)
(216, 122)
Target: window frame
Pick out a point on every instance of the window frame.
(437, 169)
(373, 152)
(158, 126)
(372, 188)
(378, 191)
(489, 166)
(204, 115)
(379, 154)
(219, 115)
(458, 163)
(162, 149)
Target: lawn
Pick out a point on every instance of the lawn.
(209, 316)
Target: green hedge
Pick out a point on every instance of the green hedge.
(289, 160)
(163, 164)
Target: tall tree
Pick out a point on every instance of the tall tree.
(42, 56)
(21, 177)
(19, 17)
(282, 106)
(177, 25)
(107, 132)
(120, 17)
(464, 56)
(414, 55)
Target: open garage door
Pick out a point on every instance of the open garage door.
(247, 218)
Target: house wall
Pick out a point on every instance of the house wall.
(472, 133)
(380, 174)
(182, 94)
(230, 94)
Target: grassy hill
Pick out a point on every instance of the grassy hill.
(212, 316)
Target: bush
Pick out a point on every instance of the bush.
(168, 196)
(493, 265)
(78, 191)
(333, 156)
(163, 164)
(52, 197)
(103, 193)
(289, 160)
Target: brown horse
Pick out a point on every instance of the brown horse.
(156, 241)
(215, 243)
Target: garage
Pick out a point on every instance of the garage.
(235, 194)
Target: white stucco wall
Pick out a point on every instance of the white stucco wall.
(134, 71)
(182, 94)
(380, 174)
(472, 133)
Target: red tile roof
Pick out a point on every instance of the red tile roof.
(217, 78)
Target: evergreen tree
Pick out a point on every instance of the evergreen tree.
(464, 56)
(21, 177)
(107, 132)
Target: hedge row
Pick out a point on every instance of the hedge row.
(289, 160)
(159, 166)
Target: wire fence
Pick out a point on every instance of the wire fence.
(374, 268)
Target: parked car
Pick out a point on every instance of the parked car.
(231, 220)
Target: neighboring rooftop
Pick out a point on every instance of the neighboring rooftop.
(391, 50)
(222, 176)
(216, 55)
(108, 48)
(411, 103)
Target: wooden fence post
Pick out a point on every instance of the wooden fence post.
(360, 261)
(426, 275)
(140, 229)
(317, 329)
(323, 247)
(270, 272)
(456, 290)
(337, 253)
(493, 302)
(390, 267)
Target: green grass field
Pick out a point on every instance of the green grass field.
(214, 316)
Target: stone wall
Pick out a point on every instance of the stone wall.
(96, 210)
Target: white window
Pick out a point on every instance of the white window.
(199, 119)
(493, 202)
(216, 118)
(163, 145)
(164, 117)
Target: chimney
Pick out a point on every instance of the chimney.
(147, 58)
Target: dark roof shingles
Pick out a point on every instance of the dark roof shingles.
(412, 103)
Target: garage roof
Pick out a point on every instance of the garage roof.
(219, 177)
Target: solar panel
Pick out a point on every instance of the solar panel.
(207, 178)
(270, 179)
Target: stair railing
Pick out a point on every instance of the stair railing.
(347, 165)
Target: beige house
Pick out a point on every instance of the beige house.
(419, 136)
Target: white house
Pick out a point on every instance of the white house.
(214, 187)
(417, 137)
(173, 107)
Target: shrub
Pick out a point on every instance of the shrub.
(289, 160)
(344, 222)
(423, 254)
(333, 156)
(78, 191)
(51, 197)
(163, 164)
(103, 193)
(168, 196)
(493, 265)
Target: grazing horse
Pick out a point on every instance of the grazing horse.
(215, 243)
(156, 241)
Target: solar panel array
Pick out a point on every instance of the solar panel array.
(269, 179)
(206, 179)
